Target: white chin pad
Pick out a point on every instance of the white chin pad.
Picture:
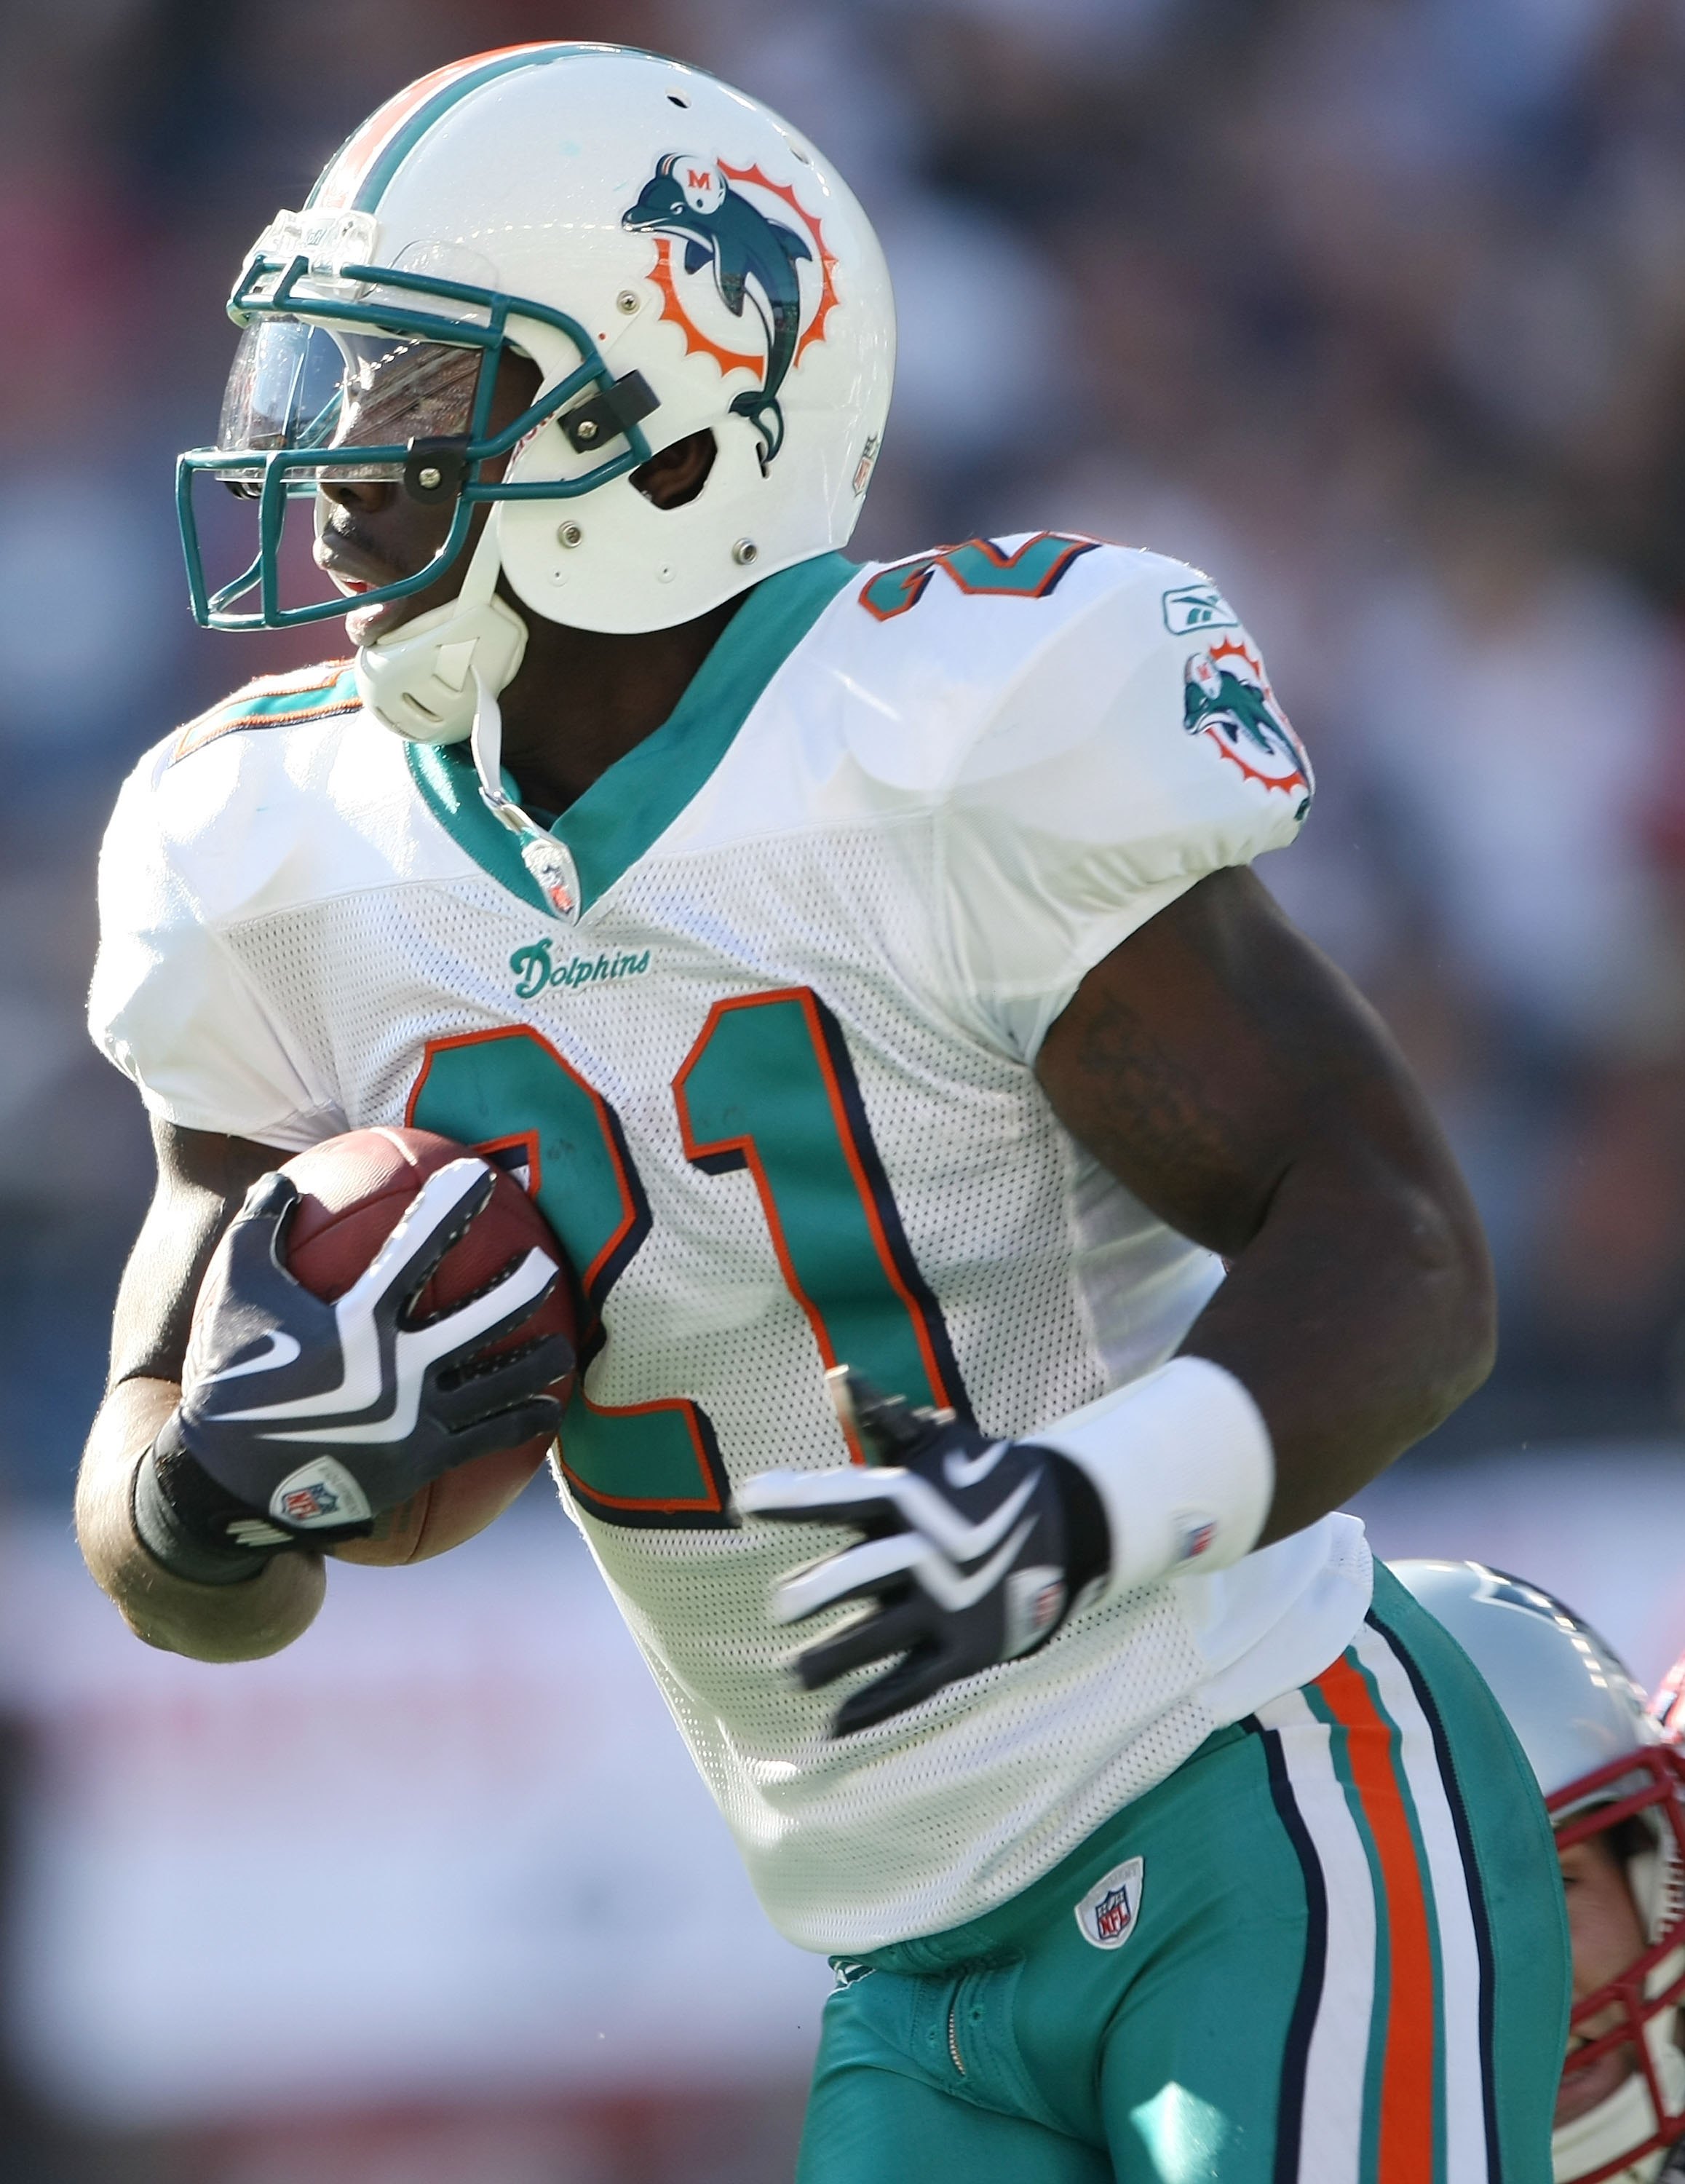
(420, 680)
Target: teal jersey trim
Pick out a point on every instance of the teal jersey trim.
(334, 690)
(614, 823)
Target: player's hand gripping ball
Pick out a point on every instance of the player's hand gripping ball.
(380, 1356)
(975, 1551)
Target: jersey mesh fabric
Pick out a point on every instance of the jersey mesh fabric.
(923, 1822)
(1053, 1283)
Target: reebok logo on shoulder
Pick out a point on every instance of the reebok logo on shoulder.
(1108, 1913)
(1198, 606)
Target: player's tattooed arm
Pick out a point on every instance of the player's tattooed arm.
(202, 1180)
(1220, 1067)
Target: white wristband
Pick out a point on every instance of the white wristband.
(1182, 1464)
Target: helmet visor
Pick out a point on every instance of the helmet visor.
(297, 386)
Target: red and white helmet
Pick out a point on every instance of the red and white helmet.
(673, 258)
(1600, 1759)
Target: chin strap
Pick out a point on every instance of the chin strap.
(437, 680)
(547, 859)
(420, 681)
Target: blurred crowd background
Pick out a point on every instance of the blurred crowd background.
(1373, 308)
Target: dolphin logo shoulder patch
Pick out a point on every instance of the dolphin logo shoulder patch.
(751, 255)
(1227, 702)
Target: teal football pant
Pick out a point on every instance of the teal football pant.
(1342, 1959)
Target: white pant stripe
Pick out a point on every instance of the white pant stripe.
(1330, 2142)
(1465, 2154)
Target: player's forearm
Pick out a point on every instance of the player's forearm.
(210, 1623)
(1358, 1317)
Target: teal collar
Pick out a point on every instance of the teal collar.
(624, 809)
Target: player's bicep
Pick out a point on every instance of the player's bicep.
(202, 1176)
(1216, 1050)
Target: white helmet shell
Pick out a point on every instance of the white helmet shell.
(1567, 1694)
(700, 242)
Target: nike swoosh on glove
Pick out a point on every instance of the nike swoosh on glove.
(974, 1551)
(301, 1420)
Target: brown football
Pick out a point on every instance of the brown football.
(352, 1190)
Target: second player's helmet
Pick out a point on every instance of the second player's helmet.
(671, 256)
(1600, 1760)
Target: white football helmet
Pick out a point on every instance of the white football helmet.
(1600, 1759)
(674, 259)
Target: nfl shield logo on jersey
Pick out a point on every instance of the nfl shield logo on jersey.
(1108, 1913)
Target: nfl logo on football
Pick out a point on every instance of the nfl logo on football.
(1108, 1913)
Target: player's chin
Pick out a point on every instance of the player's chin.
(368, 625)
(1582, 2091)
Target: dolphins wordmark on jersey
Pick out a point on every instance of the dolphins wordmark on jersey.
(773, 1090)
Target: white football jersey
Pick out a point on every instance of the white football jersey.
(774, 1091)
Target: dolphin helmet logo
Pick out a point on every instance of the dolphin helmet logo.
(780, 271)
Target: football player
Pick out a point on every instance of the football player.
(1615, 1786)
(864, 964)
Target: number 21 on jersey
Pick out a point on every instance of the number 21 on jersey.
(769, 1087)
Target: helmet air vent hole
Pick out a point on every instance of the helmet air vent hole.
(677, 99)
(744, 552)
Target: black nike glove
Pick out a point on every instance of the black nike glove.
(975, 1552)
(300, 1421)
